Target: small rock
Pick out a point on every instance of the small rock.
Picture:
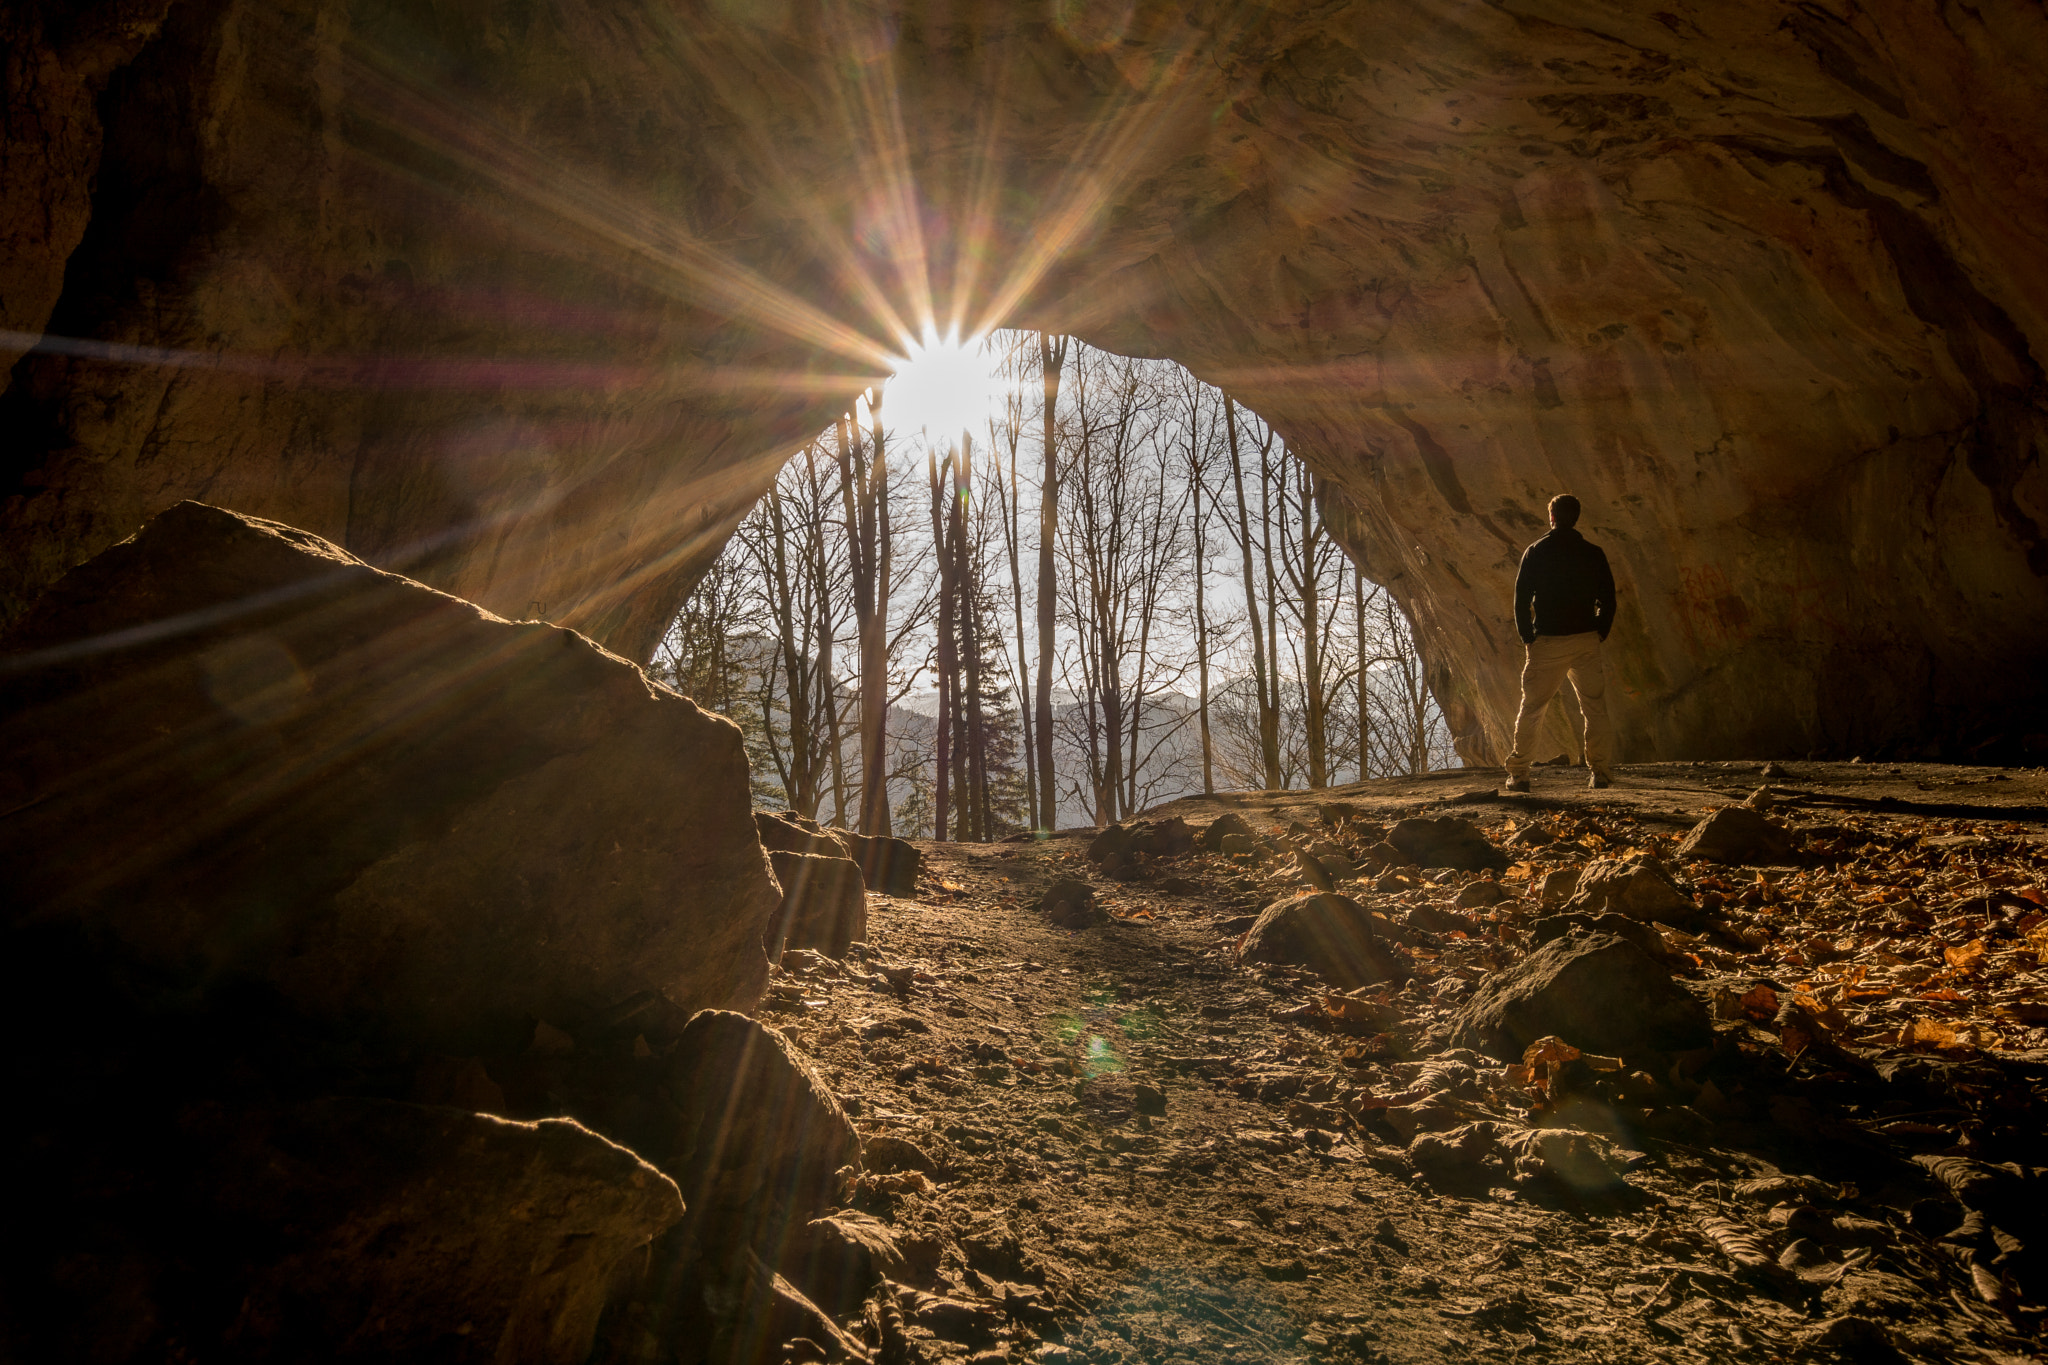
(1566, 1155)
(1070, 904)
(787, 832)
(1294, 1269)
(1112, 842)
(839, 1259)
(1452, 1153)
(1620, 926)
(1228, 823)
(824, 904)
(1446, 843)
(1599, 993)
(1775, 771)
(1640, 889)
(1557, 887)
(1150, 1100)
(1761, 801)
(1161, 838)
(887, 864)
(1479, 895)
(1382, 856)
(1736, 835)
(886, 1153)
(1236, 845)
(761, 1135)
(1432, 919)
(1532, 836)
(1331, 935)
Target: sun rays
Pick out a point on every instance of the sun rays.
(942, 387)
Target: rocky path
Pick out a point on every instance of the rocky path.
(1119, 1144)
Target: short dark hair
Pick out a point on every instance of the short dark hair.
(1564, 511)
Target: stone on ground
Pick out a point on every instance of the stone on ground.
(787, 832)
(234, 752)
(1330, 935)
(1230, 822)
(1151, 838)
(1558, 926)
(1446, 842)
(1558, 886)
(1478, 895)
(761, 1136)
(838, 1260)
(888, 864)
(824, 905)
(1639, 889)
(1070, 904)
(1597, 992)
(1735, 834)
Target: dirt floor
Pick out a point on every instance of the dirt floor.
(1121, 1144)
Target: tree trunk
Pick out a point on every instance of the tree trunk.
(863, 485)
(1364, 694)
(943, 756)
(1052, 357)
(1315, 700)
(1269, 748)
(1201, 624)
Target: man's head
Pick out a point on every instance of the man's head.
(1564, 511)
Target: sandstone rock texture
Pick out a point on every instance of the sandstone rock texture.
(530, 303)
(236, 755)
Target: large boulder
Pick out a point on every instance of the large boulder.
(336, 1230)
(234, 753)
(1639, 889)
(1736, 834)
(1597, 992)
(824, 905)
(785, 832)
(762, 1137)
(888, 864)
(1331, 935)
(1446, 842)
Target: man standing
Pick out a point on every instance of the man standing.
(1564, 607)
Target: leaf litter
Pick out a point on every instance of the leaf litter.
(1143, 1149)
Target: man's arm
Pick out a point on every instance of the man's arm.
(1525, 600)
(1603, 597)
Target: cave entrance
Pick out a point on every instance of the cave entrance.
(1207, 629)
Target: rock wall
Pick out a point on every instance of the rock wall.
(529, 302)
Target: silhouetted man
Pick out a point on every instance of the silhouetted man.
(1564, 607)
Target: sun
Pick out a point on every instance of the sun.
(942, 386)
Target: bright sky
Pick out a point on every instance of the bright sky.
(942, 386)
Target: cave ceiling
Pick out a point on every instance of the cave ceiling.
(529, 300)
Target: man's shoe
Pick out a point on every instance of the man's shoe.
(1600, 781)
(1515, 784)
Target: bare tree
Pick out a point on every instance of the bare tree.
(864, 498)
(1052, 359)
(1265, 687)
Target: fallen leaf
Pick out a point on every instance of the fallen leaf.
(1966, 958)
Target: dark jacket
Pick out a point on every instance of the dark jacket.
(1564, 588)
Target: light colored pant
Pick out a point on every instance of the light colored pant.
(1549, 660)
